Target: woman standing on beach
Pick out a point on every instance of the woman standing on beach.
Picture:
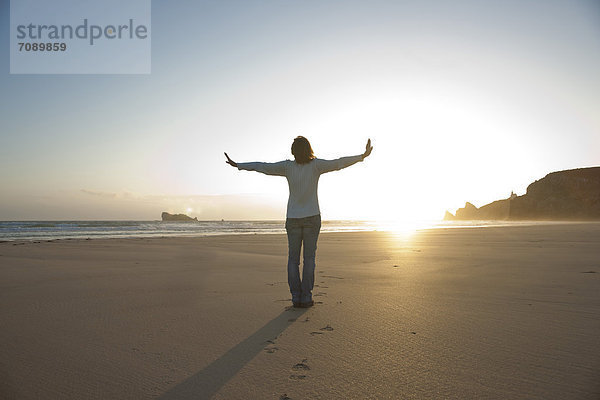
(303, 221)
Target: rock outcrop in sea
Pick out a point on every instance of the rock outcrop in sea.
(564, 195)
(177, 217)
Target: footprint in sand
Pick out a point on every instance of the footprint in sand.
(284, 397)
(320, 294)
(300, 367)
(328, 328)
(271, 348)
(297, 377)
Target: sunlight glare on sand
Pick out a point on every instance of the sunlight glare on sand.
(403, 229)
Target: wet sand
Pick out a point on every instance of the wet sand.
(486, 313)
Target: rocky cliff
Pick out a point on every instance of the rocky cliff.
(564, 195)
(177, 217)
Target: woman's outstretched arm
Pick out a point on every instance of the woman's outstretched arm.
(277, 168)
(334, 165)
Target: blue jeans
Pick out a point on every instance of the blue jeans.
(302, 231)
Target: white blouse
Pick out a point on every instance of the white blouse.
(303, 180)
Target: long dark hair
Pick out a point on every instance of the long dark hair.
(302, 151)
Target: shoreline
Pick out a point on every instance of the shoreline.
(382, 229)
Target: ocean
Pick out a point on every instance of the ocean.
(50, 230)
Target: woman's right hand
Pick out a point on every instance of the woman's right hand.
(230, 161)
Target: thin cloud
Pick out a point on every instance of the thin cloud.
(99, 194)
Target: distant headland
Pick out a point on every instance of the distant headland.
(177, 217)
(571, 195)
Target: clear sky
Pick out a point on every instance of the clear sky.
(463, 100)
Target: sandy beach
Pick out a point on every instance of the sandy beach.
(479, 313)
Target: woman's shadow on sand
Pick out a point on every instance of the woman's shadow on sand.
(207, 382)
